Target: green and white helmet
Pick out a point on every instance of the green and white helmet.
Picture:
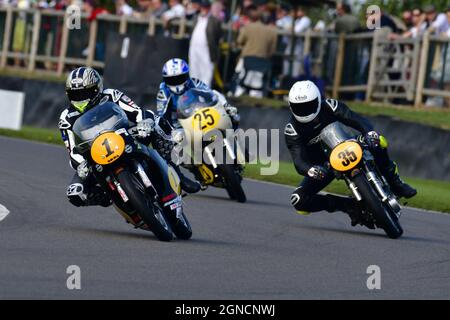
(83, 88)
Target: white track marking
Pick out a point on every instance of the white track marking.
(3, 212)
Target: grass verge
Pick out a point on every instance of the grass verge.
(432, 195)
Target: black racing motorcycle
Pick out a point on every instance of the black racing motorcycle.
(353, 162)
(145, 190)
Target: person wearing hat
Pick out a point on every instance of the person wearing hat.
(437, 22)
(204, 44)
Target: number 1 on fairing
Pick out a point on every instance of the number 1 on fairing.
(109, 152)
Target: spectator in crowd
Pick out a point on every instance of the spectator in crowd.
(218, 11)
(176, 10)
(284, 18)
(93, 9)
(193, 9)
(240, 17)
(123, 8)
(302, 24)
(19, 39)
(143, 9)
(159, 8)
(204, 44)
(407, 17)
(418, 25)
(345, 21)
(257, 39)
(437, 22)
(258, 42)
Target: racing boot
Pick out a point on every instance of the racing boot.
(398, 186)
(97, 197)
(188, 185)
(351, 207)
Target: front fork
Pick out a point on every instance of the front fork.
(374, 179)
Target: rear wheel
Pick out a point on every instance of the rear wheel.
(148, 209)
(383, 215)
(232, 183)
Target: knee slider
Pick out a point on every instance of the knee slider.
(299, 199)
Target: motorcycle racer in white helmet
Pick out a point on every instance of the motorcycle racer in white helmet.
(309, 115)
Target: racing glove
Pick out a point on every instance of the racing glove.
(178, 136)
(83, 170)
(371, 138)
(145, 128)
(318, 172)
(232, 112)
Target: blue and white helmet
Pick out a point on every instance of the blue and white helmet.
(176, 75)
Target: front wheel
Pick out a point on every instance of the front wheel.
(384, 217)
(148, 209)
(180, 224)
(233, 183)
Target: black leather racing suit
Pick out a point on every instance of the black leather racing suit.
(86, 192)
(302, 142)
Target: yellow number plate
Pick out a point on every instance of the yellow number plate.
(205, 119)
(346, 156)
(107, 148)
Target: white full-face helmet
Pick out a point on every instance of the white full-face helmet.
(305, 100)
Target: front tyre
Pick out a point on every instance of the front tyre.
(180, 224)
(384, 217)
(146, 208)
(232, 183)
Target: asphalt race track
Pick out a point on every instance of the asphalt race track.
(257, 250)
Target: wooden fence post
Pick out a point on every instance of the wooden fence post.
(151, 26)
(339, 65)
(93, 27)
(422, 69)
(182, 28)
(6, 37)
(123, 25)
(373, 65)
(63, 48)
(35, 40)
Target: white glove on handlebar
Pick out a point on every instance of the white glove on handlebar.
(232, 111)
(178, 136)
(145, 127)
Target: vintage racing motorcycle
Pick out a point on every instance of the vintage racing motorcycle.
(206, 123)
(145, 190)
(354, 163)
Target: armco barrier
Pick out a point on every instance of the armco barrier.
(420, 151)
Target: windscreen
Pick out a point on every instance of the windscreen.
(194, 99)
(334, 134)
(104, 117)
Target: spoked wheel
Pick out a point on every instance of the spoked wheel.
(148, 209)
(383, 215)
(233, 183)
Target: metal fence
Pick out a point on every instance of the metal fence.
(366, 66)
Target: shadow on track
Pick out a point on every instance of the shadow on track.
(252, 202)
(142, 235)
